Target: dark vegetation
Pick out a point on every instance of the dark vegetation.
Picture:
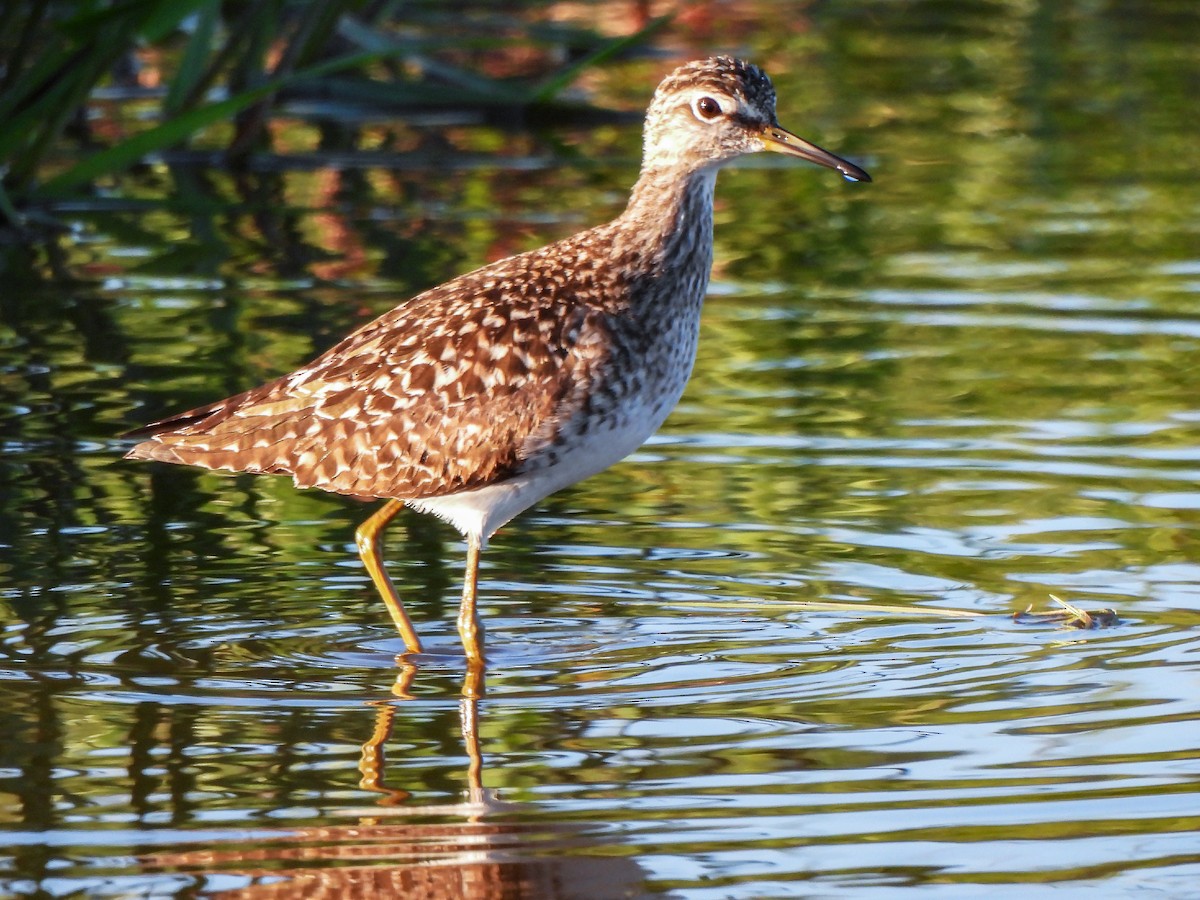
(241, 61)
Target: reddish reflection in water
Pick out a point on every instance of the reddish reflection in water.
(471, 850)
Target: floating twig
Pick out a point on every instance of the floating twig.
(1069, 615)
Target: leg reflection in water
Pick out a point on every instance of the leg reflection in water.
(372, 764)
(480, 847)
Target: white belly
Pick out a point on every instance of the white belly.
(479, 513)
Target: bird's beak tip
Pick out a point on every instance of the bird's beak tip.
(780, 140)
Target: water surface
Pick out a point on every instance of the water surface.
(965, 387)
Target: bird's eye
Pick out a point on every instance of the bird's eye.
(707, 108)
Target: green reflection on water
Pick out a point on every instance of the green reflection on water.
(966, 385)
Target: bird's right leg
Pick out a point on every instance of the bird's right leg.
(468, 618)
(369, 536)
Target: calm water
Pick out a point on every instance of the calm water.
(966, 387)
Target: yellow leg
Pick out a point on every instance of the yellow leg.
(468, 620)
(368, 537)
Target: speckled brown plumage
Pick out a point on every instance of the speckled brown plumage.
(465, 385)
(480, 396)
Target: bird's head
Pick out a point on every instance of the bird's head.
(714, 110)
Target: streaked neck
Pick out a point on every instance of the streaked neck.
(669, 220)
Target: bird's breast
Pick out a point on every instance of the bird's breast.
(634, 368)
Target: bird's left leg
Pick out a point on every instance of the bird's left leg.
(369, 536)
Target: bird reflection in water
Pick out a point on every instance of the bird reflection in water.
(481, 847)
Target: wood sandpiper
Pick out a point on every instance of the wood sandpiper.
(481, 396)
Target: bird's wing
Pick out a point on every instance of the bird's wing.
(449, 391)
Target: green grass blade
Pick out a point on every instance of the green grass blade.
(172, 132)
(434, 71)
(194, 62)
(167, 17)
(552, 88)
